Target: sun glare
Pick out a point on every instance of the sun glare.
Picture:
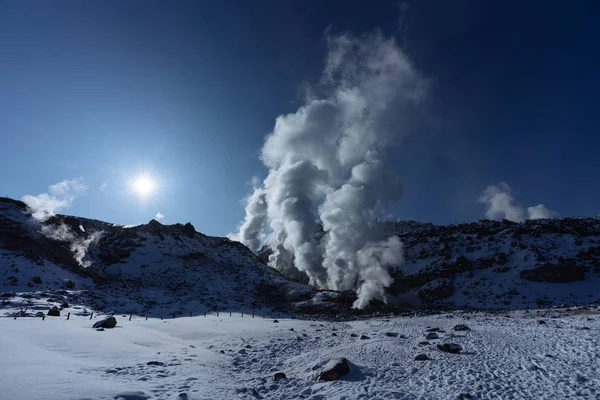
(144, 185)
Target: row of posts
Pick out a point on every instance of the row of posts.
(161, 318)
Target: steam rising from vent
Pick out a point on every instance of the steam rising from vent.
(500, 203)
(59, 196)
(327, 167)
(45, 205)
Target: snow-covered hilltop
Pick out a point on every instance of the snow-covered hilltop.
(156, 269)
(151, 269)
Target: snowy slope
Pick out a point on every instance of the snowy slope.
(505, 356)
(492, 264)
(161, 270)
(150, 269)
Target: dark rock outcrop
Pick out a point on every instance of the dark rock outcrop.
(54, 312)
(559, 273)
(449, 348)
(107, 323)
(279, 375)
(334, 370)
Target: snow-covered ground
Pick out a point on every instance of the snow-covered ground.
(505, 356)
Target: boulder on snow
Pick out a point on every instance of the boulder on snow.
(54, 312)
(107, 323)
(431, 336)
(334, 370)
(279, 375)
(461, 328)
(450, 348)
(64, 305)
(391, 334)
(275, 321)
(421, 357)
(364, 337)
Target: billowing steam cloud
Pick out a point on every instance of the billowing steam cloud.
(45, 205)
(327, 168)
(500, 203)
(59, 196)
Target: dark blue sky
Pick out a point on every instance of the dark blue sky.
(188, 89)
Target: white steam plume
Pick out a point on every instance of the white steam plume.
(45, 205)
(59, 196)
(500, 203)
(326, 162)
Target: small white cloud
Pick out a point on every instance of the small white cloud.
(159, 216)
(103, 187)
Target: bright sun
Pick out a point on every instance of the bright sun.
(144, 185)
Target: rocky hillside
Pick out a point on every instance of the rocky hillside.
(490, 264)
(156, 269)
(150, 269)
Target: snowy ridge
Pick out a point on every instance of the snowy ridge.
(150, 269)
(155, 269)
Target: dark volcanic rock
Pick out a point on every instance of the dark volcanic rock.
(560, 273)
(461, 328)
(421, 357)
(107, 323)
(279, 375)
(334, 370)
(54, 312)
(450, 348)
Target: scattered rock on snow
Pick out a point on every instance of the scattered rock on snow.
(433, 330)
(64, 305)
(334, 370)
(425, 343)
(541, 322)
(156, 363)
(107, 323)
(275, 321)
(279, 375)
(54, 312)
(450, 348)
(461, 328)
(364, 337)
(431, 336)
(100, 329)
(391, 334)
(422, 357)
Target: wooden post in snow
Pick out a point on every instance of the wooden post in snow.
(91, 315)
(229, 314)
(242, 315)
(130, 315)
(68, 316)
(190, 314)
